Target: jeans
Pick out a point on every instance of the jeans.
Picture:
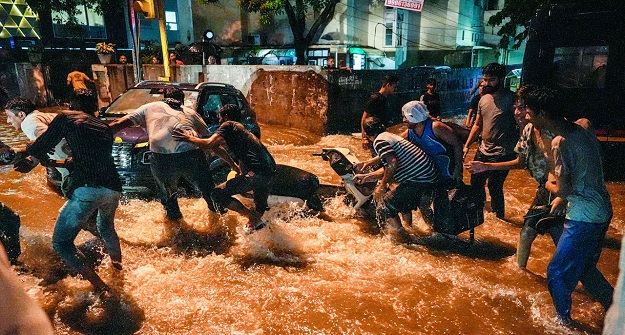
(85, 201)
(167, 170)
(495, 178)
(575, 259)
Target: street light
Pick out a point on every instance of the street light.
(206, 37)
(375, 32)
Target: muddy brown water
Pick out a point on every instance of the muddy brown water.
(330, 274)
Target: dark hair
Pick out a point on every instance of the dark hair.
(373, 126)
(173, 92)
(84, 100)
(542, 100)
(20, 104)
(494, 69)
(430, 81)
(230, 112)
(390, 80)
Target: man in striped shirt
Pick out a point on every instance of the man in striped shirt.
(403, 163)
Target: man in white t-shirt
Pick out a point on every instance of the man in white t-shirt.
(172, 159)
(21, 114)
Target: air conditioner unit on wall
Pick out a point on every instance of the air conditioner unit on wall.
(253, 39)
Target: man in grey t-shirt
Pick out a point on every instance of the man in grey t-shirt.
(495, 123)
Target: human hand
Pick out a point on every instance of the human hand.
(359, 179)
(558, 206)
(476, 167)
(365, 143)
(465, 152)
(182, 135)
(378, 194)
(359, 167)
(24, 165)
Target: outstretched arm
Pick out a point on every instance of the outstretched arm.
(475, 131)
(445, 133)
(120, 124)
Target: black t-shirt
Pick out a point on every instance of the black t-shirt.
(378, 106)
(247, 148)
(91, 143)
(475, 101)
(433, 102)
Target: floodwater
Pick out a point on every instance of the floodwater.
(334, 273)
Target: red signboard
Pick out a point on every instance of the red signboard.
(405, 4)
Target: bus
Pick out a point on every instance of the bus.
(581, 53)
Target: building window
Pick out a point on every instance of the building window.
(389, 22)
(492, 4)
(170, 21)
(92, 24)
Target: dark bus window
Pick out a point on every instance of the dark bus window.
(580, 67)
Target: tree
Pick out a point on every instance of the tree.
(70, 9)
(296, 12)
(515, 17)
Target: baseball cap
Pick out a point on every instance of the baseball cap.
(415, 111)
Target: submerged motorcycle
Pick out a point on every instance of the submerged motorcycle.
(456, 210)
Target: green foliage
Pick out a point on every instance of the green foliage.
(268, 8)
(515, 17)
(150, 48)
(70, 9)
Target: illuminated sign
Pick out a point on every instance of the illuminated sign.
(415, 5)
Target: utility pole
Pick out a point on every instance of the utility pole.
(160, 6)
(155, 9)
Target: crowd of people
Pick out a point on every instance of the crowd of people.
(524, 130)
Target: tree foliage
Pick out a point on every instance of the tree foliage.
(515, 17)
(70, 9)
(297, 12)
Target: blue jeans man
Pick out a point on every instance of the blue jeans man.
(575, 259)
(84, 202)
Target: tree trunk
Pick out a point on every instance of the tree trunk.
(301, 45)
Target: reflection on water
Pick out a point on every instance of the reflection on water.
(334, 273)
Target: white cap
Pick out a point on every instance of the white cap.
(415, 111)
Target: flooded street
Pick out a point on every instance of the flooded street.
(333, 273)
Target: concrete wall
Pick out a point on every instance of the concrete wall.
(25, 79)
(319, 101)
(294, 96)
(111, 80)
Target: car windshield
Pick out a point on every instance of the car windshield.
(136, 97)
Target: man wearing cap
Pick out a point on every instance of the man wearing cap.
(171, 158)
(403, 163)
(433, 137)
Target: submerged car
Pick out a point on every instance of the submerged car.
(131, 150)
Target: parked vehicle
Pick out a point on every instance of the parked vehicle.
(131, 151)
(580, 51)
